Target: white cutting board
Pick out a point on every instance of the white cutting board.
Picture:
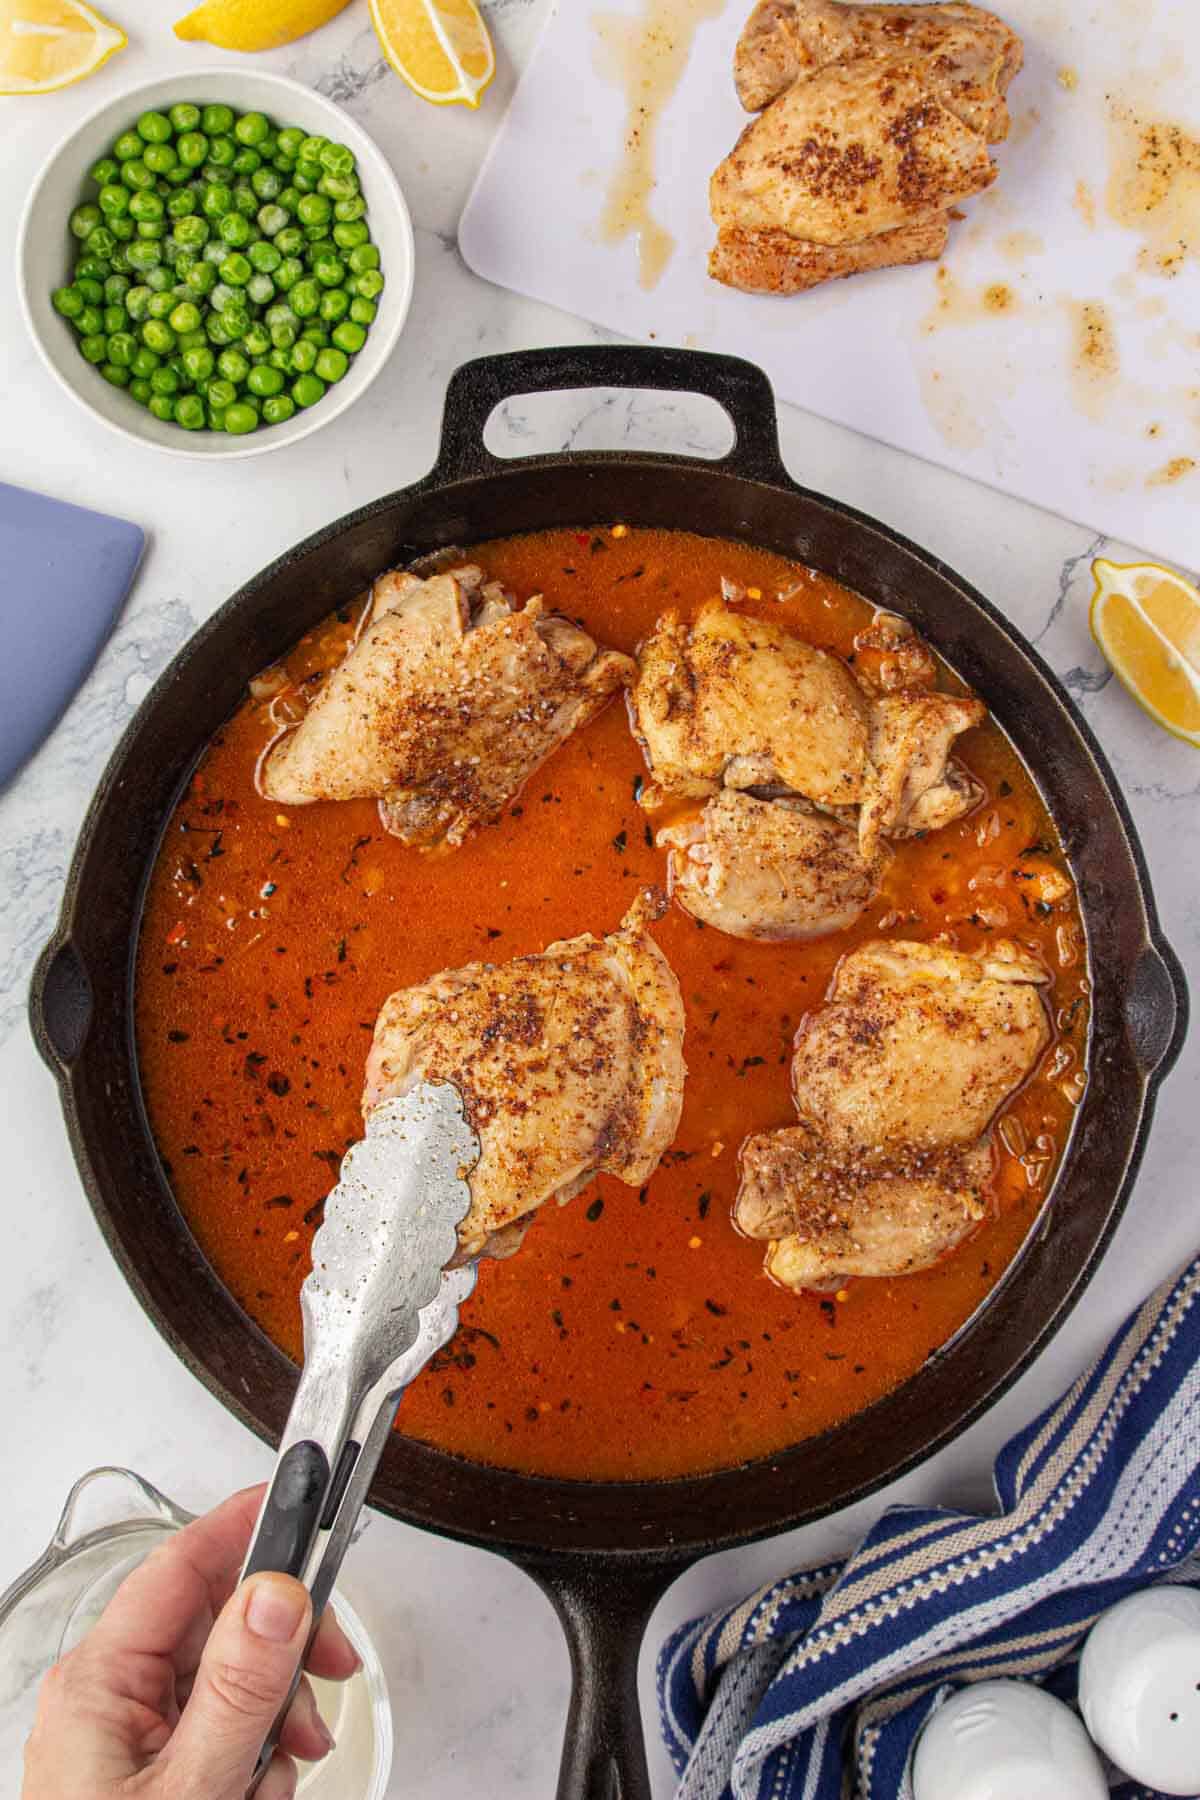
(1000, 397)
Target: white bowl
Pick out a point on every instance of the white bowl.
(46, 252)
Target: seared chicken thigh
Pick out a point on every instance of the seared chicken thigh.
(569, 1063)
(446, 704)
(728, 702)
(896, 1081)
(767, 869)
(874, 123)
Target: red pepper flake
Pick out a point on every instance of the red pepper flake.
(177, 933)
(583, 537)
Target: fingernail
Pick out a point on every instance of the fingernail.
(276, 1608)
(313, 1714)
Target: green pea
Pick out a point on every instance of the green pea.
(281, 359)
(84, 220)
(180, 204)
(271, 219)
(192, 232)
(220, 393)
(217, 118)
(221, 152)
(114, 318)
(304, 356)
(90, 322)
(92, 292)
(164, 381)
(116, 288)
(216, 251)
(68, 301)
(101, 241)
(185, 316)
(349, 336)
(316, 335)
(192, 149)
(246, 162)
(264, 381)
(217, 331)
(252, 128)
(264, 256)
(217, 200)
(289, 199)
(350, 209)
(116, 373)
(330, 271)
(193, 340)
(158, 336)
(314, 209)
(266, 184)
(233, 366)
(236, 231)
(144, 362)
(137, 303)
(236, 270)
(154, 127)
(363, 257)
(136, 175)
(144, 255)
(104, 171)
(338, 187)
(308, 389)
(128, 146)
(245, 199)
(122, 347)
(289, 241)
(184, 116)
(260, 289)
(311, 148)
(94, 266)
(351, 235)
(202, 278)
(94, 347)
(332, 364)
(113, 200)
(284, 336)
(199, 363)
(278, 409)
(160, 159)
(305, 177)
(336, 159)
(335, 304)
(140, 390)
(118, 259)
(318, 244)
(153, 230)
(257, 340)
(240, 418)
(305, 298)
(162, 406)
(290, 140)
(189, 412)
(369, 284)
(161, 305)
(236, 318)
(289, 272)
(156, 278)
(145, 206)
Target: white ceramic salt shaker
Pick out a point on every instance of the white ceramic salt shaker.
(1006, 1740)
(1139, 1687)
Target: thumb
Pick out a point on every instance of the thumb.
(245, 1672)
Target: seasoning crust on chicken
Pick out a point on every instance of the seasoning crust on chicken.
(767, 870)
(569, 1064)
(447, 703)
(873, 124)
(896, 1081)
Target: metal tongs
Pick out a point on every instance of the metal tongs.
(379, 1303)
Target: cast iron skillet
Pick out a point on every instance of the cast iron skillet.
(604, 1552)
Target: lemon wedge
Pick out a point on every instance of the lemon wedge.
(48, 44)
(255, 24)
(441, 48)
(1146, 619)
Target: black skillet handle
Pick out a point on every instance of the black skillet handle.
(60, 1004)
(604, 1609)
(1156, 1009)
(479, 387)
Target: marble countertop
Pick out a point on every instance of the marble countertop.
(477, 1665)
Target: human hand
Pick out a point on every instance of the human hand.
(172, 1692)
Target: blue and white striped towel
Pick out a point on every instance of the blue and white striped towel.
(816, 1688)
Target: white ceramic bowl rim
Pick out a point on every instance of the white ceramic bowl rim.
(384, 332)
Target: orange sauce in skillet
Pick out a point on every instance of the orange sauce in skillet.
(634, 1335)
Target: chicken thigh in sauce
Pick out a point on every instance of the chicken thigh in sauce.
(873, 124)
(569, 1063)
(446, 704)
(896, 1080)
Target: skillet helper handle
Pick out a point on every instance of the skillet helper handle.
(604, 1614)
(741, 389)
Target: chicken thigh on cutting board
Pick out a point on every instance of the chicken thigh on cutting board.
(896, 1081)
(726, 703)
(873, 124)
(569, 1064)
(448, 701)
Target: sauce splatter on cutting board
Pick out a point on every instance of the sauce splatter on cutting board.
(1154, 189)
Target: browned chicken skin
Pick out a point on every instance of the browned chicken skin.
(896, 1081)
(569, 1063)
(874, 123)
(445, 706)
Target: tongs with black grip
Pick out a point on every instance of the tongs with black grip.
(379, 1303)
